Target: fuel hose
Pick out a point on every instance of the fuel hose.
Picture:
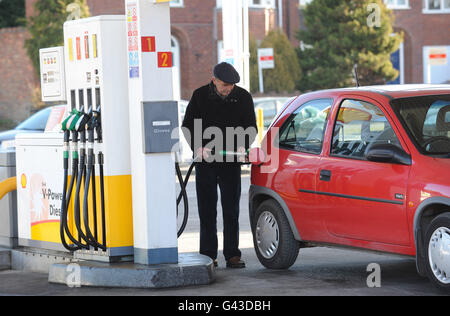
(90, 175)
(182, 196)
(67, 127)
(81, 128)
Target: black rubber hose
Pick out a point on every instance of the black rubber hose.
(94, 200)
(186, 180)
(63, 216)
(102, 197)
(72, 181)
(183, 194)
(69, 195)
(92, 240)
(77, 208)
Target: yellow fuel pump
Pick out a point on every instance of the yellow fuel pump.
(76, 193)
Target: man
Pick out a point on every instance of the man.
(220, 116)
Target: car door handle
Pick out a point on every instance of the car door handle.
(325, 175)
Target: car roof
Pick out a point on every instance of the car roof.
(257, 99)
(394, 91)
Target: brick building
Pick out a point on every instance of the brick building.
(17, 76)
(197, 32)
(425, 24)
(197, 35)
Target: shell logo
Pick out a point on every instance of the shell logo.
(23, 181)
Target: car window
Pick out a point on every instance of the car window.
(437, 120)
(304, 129)
(360, 125)
(269, 109)
(37, 121)
(427, 120)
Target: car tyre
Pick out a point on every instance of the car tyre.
(437, 249)
(274, 242)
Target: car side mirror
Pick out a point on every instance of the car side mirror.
(256, 156)
(388, 153)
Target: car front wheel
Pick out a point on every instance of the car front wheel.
(275, 245)
(438, 251)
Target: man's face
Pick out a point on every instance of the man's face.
(223, 88)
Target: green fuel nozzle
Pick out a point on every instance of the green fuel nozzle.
(233, 153)
(70, 122)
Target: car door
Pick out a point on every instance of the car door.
(361, 199)
(300, 146)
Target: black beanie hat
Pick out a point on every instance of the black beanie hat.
(226, 72)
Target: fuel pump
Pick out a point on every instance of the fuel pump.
(83, 170)
(96, 214)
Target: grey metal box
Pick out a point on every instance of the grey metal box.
(8, 205)
(160, 122)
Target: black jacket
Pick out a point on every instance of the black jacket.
(235, 111)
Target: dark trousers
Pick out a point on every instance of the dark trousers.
(228, 178)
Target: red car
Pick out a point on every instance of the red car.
(365, 167)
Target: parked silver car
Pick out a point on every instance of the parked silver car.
(34, 124)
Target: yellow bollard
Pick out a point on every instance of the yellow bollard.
(260, 124)
(7, 186)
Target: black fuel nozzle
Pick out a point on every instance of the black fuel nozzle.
(90, 126)
(81, 126)
(97, 123)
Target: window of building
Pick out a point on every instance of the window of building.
(255, 3)
(262, 3)
(397, 4)
(398, 61)
(391, 4)
(176, 3)
(303, 3)
(220, 52)
(436, 6)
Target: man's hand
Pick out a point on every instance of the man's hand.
(244, 157)
(203, 153)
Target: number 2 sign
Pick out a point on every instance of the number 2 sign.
(165, 59)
